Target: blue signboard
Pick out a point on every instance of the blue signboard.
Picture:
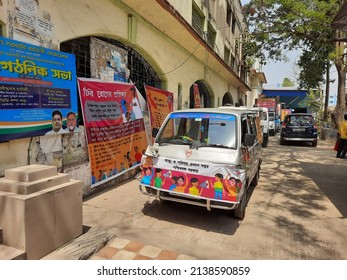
(34, 82)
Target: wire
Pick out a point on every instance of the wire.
(160, 74)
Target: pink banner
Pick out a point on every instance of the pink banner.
(197, 100)
(114, 127)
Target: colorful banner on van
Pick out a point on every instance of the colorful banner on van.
(114, 125)
(193, 179)
(160, 104)
(34, 82)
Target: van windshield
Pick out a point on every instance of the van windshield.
(199, 130)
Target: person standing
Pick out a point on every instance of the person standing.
(341, 152)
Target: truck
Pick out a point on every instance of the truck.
(271, 105)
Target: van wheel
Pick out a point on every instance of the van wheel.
(255, 179)
(240, 211)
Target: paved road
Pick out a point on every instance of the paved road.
(297, 211)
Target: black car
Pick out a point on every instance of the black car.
(299, 127)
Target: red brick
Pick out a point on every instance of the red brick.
(107, 252)
(134, 246)
(167, 255)
(140, 257)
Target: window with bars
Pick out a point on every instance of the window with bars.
(233, 24)
(229, 13)
(226, 55)
(141, 72)
(198, 21)
(211, 36)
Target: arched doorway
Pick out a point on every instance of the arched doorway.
(227, 99)
(205, 96)
(140, 71)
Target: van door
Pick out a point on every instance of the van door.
(250, 129)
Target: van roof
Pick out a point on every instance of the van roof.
(220, 110)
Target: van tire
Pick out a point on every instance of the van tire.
(240, 211)
(255, 179)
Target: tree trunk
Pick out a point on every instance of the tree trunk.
(341, 85)
(327, 93)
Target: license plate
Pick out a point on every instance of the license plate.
(299, 129)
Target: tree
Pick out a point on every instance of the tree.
(313, 101)
(287, 82)
(277, 26)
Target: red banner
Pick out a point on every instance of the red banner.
(197, 100)
(114, 127)
(160, 104)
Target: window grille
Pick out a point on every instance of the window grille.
(141, 72)
(229, 13)
(198, 22)
(211, 36)
(226, 55)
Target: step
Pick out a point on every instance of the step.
(10, 253)
(30, 173)
(25, 188)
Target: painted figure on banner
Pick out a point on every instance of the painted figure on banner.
(135, 105)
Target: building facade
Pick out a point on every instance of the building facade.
(168, 44)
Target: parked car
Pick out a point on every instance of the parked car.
(299, 127)
(205, 157)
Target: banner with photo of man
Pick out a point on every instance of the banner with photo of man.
(34, 83)
(114, 126)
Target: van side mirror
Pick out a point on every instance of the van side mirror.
(155, 132)
(249, 139)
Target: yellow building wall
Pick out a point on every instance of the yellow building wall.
(79, 18)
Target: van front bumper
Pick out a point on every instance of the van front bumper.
(185, 198)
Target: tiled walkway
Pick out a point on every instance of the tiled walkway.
(123, 249)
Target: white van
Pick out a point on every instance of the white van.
(264, 120)
(207, 157)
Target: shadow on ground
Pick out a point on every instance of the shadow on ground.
(331, 181)
(216, 220)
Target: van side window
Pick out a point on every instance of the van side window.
(252, 125)
(244, 127)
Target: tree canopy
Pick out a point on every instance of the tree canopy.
(287, 82)
(278, 26)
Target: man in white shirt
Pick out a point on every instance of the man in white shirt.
(71, 123)
(53, 141)
(57, 123)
